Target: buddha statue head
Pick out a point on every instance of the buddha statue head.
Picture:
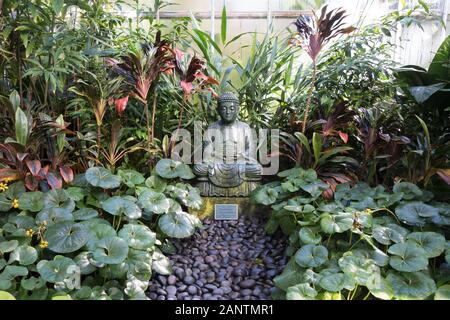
(228, 107)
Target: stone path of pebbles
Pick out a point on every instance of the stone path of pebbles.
(224, 260)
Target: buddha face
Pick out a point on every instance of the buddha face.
(228, 111)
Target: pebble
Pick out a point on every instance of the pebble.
(218, 263)
(171, 280)
(247, 284)
(188, 280)
(171, 290)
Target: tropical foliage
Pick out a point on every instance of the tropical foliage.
(92, 104)
(366, 243)
(101, 237)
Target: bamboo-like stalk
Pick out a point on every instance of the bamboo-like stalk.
(153, 117)
(310, 93)
(147, 117)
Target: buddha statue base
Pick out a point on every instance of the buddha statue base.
(208, 189)
(245, 206)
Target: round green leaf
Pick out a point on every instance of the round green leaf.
(411, 285)
(54, 215)
(32, 283)
(85, 214)
(103, 178)
(156, 183)
(302, 291)
(154, 202)
(386, 235)
(24, 254)
(309, 236)
(62, 297)
(31, 201)
(139, 262)
(379, 287)
(138, 236)
(266, 196)
(409, 190)
(337, 223)
(55, 270)
(58, 199)
(443, 293)
(8, 246)
(120, 205)
(414, 212)
(99, 232)
(112, 250)
(131, 178)
(83, 262)
(359, 268)
(65, 237)
(6, 296)
(433, 243)
(333, 282)
(407, 257)
(193, 199)
(161, 264)
(311, 256)
(76, 193)
(170, 169)
(178, 225)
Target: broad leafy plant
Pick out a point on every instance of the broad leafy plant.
(366, 244)
(101, 238)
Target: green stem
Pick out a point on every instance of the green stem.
(354, 292)
(310, 93)
(153, 117)
(147, 117)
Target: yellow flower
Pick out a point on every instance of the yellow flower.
(15, 203)
(7, 179)
(369, 211)
(3, 187)
(29, 232)
(43, 244)
(44, 223)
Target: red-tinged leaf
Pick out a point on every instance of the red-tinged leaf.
(343, 136)
(200, 75)
(328, 194)
(66, 173)
(21, 156)
(53, 181)
(34, 166)
(347, 30)
(215, 95)
(31, 183)
(445, 175)
(187, 87)
(43, 172)
(8, 173)
(121, 105)
(178, 55)
(142, 88)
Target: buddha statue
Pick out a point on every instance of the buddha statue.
(229, 167)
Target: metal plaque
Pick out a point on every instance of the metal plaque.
(226, 211)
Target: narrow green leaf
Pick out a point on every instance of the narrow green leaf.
(317, 146)
(21, 127)
(223, 27)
